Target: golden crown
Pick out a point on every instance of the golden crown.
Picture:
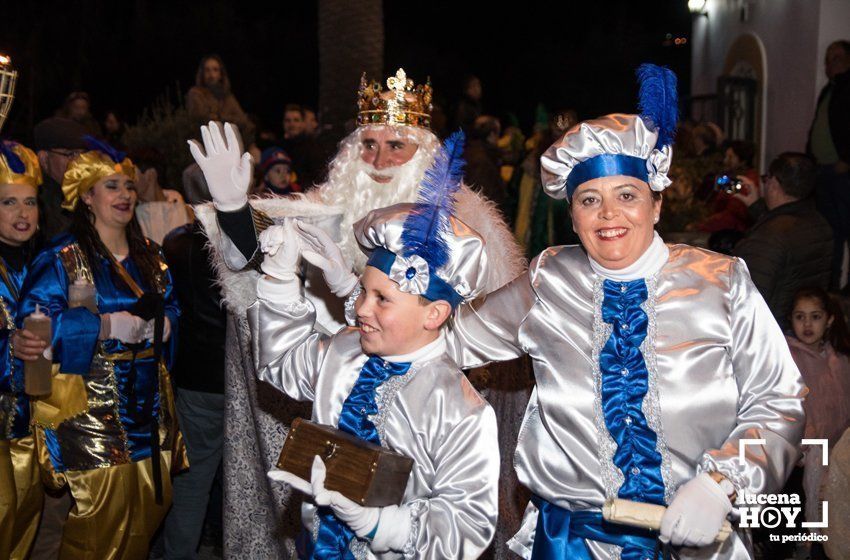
(402, 104)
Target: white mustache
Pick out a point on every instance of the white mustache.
(371, 170)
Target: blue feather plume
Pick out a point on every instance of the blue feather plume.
(101, 146)
(12, 160)
(658, 101)
(424, 227)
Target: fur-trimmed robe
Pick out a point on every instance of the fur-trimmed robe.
(262, 518)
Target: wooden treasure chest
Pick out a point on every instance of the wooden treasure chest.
(361, 471)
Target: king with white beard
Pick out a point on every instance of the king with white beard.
(380, 164)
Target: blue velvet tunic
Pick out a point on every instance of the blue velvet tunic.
(122, 383)
(14, 403)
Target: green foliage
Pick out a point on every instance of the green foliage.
(160, 134)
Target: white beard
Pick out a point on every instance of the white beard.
(358, 193)
(350, 187)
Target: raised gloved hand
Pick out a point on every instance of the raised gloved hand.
(226, 169)
(323, 253)
(123, 326)
(696, 514)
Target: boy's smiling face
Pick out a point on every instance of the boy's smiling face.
(393, 322)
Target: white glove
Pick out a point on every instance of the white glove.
(226, 169)
(393, 529)
(323, 253)
(696, 514)
(282, 247)
(149, 328)
(295, 481)
(123, 326)
(361, 520)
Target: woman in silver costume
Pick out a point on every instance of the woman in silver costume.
(653, 362)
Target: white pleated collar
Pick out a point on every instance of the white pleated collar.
(427, 352)
(652, 260)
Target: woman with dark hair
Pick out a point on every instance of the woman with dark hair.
(820, 346)
(211, 99)
(107, 430)
(652, 362)
(20, 482)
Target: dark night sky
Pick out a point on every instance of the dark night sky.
(126, 53)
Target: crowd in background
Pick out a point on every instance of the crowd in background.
(790, 224)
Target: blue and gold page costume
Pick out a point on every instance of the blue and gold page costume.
(14, 403)
(21, 492)
(109, 404)
(20, 484)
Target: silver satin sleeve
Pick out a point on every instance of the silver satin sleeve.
(487, 329)
(433, 415)
(458, 519)
(718, 369)
(770, 396)
(288, 352)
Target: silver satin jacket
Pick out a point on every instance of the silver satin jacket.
(431, 414)
(718, 365)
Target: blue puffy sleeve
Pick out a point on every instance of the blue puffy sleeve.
(76, 330)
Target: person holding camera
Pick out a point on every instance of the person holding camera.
(729, 212)
(790, 243)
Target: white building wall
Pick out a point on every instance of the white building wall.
(795, 34)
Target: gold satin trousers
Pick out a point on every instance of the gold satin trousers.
(21, 497)
(115, 513)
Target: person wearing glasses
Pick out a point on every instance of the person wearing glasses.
(790, 244)
(57, 140)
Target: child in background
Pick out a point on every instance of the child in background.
(820, 347)
(388, 381)
(276, 170)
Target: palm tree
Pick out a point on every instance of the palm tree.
(351, 41)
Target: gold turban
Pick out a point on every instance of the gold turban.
(31, 173)
(87, 169)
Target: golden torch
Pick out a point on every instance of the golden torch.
(8, 77)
